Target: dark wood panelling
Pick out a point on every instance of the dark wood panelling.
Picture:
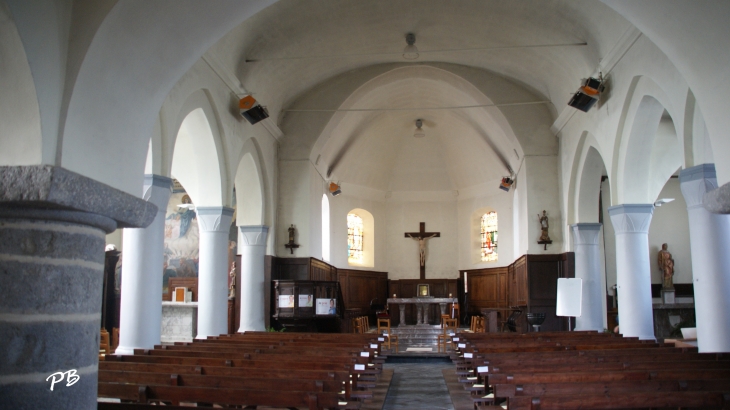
(528, 284)
(360, 287)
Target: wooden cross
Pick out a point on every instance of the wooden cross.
(422, 236)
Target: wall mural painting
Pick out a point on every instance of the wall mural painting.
(181, 239)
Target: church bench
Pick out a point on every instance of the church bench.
(607, 376)
(649, 399)
(340, 376)
(615, 387)
(311, 350)
(197, 380)
(239, 397)
(334, 358)
(569, 366)
(296, 344)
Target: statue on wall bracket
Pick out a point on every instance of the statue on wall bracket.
(291, 245)
(544, 225)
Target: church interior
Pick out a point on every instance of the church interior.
(312, 176)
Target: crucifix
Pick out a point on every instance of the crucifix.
(422, 236)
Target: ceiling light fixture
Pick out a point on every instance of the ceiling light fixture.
(419, 132)
(410, 52)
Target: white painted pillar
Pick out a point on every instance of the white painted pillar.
(588, 268)
(633, 280)
(709, 236)
(252, 248)
(142, 261)
(214, 224)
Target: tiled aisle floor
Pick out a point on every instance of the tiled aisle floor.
(418, 386)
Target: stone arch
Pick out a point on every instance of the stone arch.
(142, 77)
(195, 153)
(697, 144)
(250, 191)
(646, 131)
(21, 139)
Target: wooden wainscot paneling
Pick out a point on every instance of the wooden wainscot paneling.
(529, 284)
(321, 271)
(360, 287)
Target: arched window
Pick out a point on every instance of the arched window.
(325, 228)
(354, 238)
(489, 236)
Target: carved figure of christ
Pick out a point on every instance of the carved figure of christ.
(422, 236)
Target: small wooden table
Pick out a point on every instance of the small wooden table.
(421, 307)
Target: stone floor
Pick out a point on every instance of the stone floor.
(422, 385)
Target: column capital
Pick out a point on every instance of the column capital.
(631, 218)
(586, 233)
(253, 235)
(157, 190)
(61, 194)
(695, 182)
(214, 218)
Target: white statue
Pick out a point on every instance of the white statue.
(421, 246)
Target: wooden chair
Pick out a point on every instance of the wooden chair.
(115, 339)
(444, 338)
(104, 347)
(455, 312)
(384, 328)
(357, 325)
(444, 317)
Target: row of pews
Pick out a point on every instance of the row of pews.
(587, 370)
(297, 370)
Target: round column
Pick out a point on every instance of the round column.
(214, 224)
(633, 280)
(142, 263)
(52, 235)
(252, 248)
(709, 236)
(588, 268)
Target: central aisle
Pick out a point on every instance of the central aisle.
(418, 386)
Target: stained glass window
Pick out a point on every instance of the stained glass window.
(489, 237)
(354, 238)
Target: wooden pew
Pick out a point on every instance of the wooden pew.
(228, 396)
(342, 377)
(610, 388)
(647, 399)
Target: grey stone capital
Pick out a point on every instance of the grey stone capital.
(631, 218)
(47, 187)
(695, 182)
(586, 233)
(214, 218)
(702, 181)
(157, 190)
(253, 235)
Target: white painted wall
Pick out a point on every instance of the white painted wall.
(402, 254)
(541, 182)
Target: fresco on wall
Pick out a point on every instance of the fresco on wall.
(181, 239)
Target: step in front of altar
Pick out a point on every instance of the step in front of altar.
(417, 336)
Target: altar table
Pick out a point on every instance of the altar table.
(421, 307)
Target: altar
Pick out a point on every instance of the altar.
(179, 322)
(421, 307)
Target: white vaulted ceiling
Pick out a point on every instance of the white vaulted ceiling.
(306, 59)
